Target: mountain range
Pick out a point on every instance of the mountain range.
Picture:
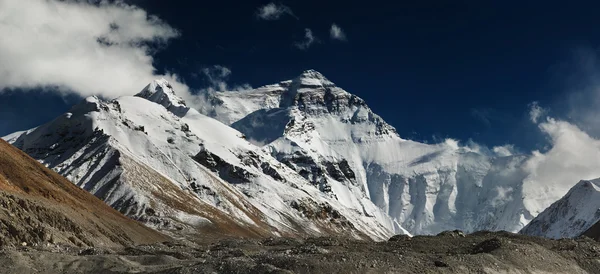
(300, 157)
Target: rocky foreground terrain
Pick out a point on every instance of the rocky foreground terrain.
(449, 252)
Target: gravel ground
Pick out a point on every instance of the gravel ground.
(449, 252)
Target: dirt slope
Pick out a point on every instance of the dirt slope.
(38, 206)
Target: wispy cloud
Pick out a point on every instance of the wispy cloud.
(273, 11)
(335, 32)
(217, 80)
(217, 77)
(536, 112)
(309, 40)
(78, 47)
(505, 150)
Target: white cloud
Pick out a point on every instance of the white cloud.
(335, 32)
(536, 112)
(505, 150)
(273, 11)
(75, 46)
(574, 156)
(309, 40)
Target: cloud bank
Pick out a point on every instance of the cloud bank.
(75, 46)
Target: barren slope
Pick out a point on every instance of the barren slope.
(39, 206)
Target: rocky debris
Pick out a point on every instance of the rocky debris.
(399, 238)
(423, 254)
(281, 241)
(323, 211)
(487, 246)
(452, 234)
(440, 264)
(309, 249)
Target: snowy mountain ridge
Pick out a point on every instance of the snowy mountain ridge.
(158, 161)
(570, 216)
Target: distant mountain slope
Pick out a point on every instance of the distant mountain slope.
(322, 131)
(570, 216)
(39, 206)
(158, 161)
(594, 232)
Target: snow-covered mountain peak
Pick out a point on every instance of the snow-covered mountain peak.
(312, 78)
(311, 93)
(161, 92)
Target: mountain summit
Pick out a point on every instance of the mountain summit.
(312, 78)
(161, 92)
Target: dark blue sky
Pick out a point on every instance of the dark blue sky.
(461, 69)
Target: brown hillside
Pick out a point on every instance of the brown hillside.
(39, 206)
